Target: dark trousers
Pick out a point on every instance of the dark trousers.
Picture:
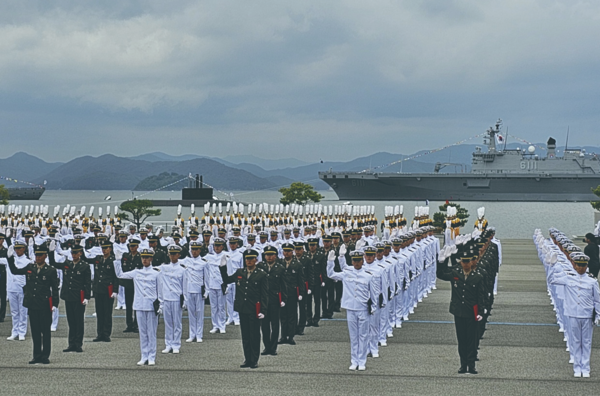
(314, 297)
(270, 327)
(301, 315)
(339, 288)
(129, 312)
(75, 318)
(2, 293)
(328, 298)
(594, 269)
(104, 309)
(289, 317)
(250, 327)
(40, 321)
(467, 334)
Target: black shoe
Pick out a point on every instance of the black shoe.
(254, 365)
(273, 353)
(1, 320)
(265, 352)
(336, 310)
(309, 324)
(78, 350)
(476, 359)
(45, 361)
(462, 370)
(98, 339)
(136, 330)
(245, 364)
(34, 361)
(107, 339)
(69, 349)
(128, 330)
(291, 341)
(369, 354)
(472, 370)
(315, 324)
(300, 333)
(282, 341)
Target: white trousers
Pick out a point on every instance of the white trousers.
(383, 322)
(172, 315)
(195, 306)
(217, 308)
(232, 316)
(399, 305)
(581, 343)
(358, 327)
(18, 313)
(121, 297)
(374, 320)
(147, 324)
(55, 318)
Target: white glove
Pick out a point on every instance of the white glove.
(85, 301)
(206, 294)
(114, 295)
(52, 245)
(11, 251)
(331, 255)
(261, 316)
(53, 308)
(479, 318)
(223, 261)
(299, 298)
(343, 250)
(118, 254)
(184, 306)
(282, 304)
(308, 291)
(8, 232)
(485, 311)
(322, 284)
(159, 312)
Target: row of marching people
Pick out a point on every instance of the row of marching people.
(573, 292)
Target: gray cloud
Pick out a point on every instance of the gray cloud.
(314, 80)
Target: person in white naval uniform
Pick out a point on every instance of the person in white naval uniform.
(235, 261)
(147, 292)
(358, 299)
(216, 290)
(374, 319)
(173, 299)
(582, 298)
(195, 282)
(15, 293)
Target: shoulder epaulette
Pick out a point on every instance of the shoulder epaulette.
(182, 266)
(591, 276)
(156, 269)
(369, 272)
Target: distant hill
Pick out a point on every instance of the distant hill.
(155, 182)
(22, 166)
(267, 164)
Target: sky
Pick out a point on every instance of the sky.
(313, 80)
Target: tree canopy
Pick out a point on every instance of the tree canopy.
(137, 211)
(3, 195)
(299, 193)
(596, 204)
(440, 217)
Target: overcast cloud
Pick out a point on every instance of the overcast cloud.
(308, 79)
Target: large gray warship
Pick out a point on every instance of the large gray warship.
(499, 174)
(25, 193)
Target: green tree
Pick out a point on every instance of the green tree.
(137, 211)
(299, 193)
(596, 204)
(440, 217)
(3, 195)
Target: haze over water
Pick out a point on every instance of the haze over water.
(511, 219)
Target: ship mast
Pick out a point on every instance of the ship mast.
(491, 136)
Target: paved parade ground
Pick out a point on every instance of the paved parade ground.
(522, 353)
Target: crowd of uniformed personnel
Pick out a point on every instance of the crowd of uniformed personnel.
(276, 269)
(574, 292)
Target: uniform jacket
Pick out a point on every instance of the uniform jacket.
(251, 294)
(39, 287)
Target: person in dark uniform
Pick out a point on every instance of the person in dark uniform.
(277, 299)
(105, 288)
(130, 261)
(592, 251)
(315, 275)
(467, 298)
(41, 299)
(251, 302)
(160, 255)
(294, 282)
(76, 292)
(327, 292)
(3, 256)
(304, 261)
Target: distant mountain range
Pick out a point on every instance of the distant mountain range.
(244, 172)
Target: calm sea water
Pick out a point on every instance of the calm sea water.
(512, 220)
